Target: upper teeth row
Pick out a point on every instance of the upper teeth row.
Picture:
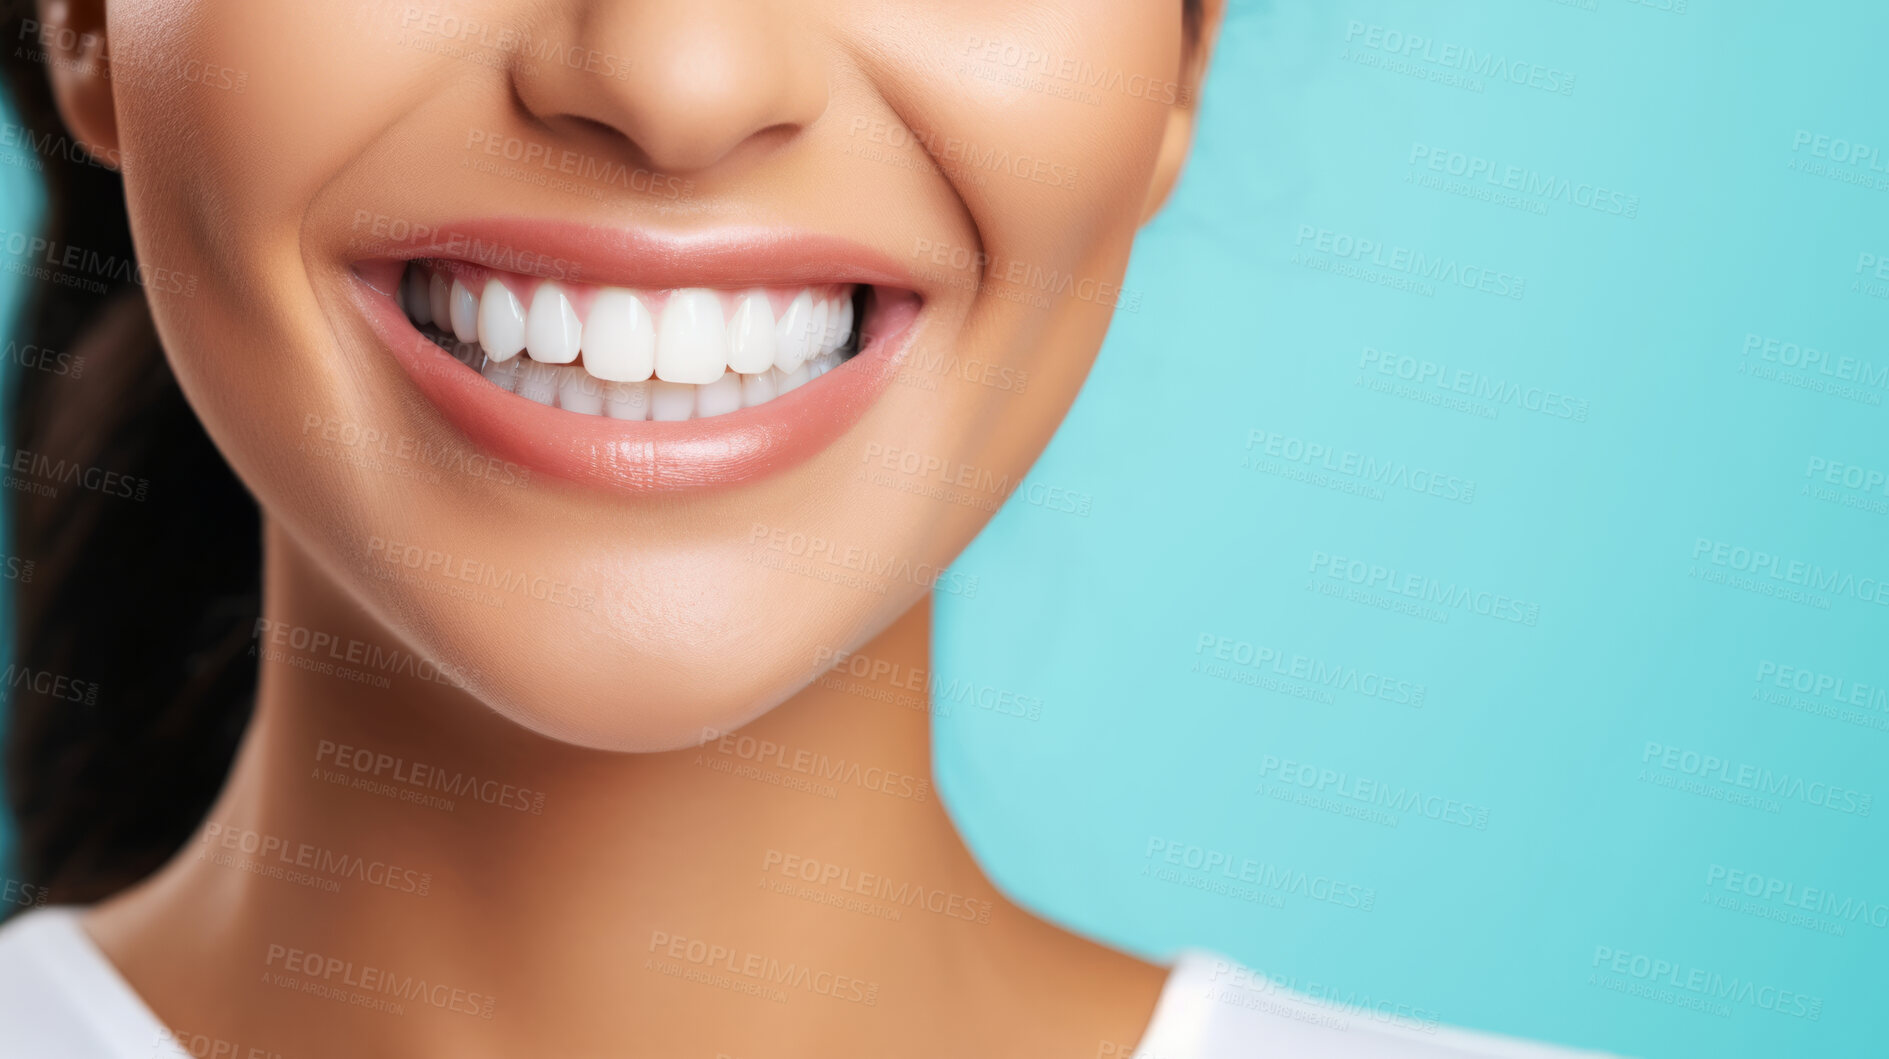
(695, 336)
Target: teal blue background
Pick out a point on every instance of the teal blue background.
(1544, 726)
(1596, 521)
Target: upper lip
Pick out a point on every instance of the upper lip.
(629, 257)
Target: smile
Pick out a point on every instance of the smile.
(692, 362)
(630, 354)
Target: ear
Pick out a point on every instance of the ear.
(1178, 138)
(72, 34)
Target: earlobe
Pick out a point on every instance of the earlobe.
(71, 37)
(1177, 140)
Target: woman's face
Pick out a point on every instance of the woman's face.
(802, 286)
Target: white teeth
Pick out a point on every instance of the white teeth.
(692, 343)
(419, 307)
(626, 400)
(671, 402)
(757, 389)
(816, 328)
(578, 392)
(501, 321)
(538, 382)
(832, 337)
(751, 335)
(619, 338)
(552, 327)
(438, 301)
(793, 333)
(465, 313)
(845, 323)
(707, 353)
(719, 397)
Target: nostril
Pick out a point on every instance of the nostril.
(599, 137)
(694, 83)
(771, 137)
(592, 126)
(604, 140)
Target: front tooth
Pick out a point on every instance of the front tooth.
(419, 309)
(793, 333)
(551, 328)
(626, 400)
(578, 392)
(692, 343)
(671, 402)
(757, 389)
(465, 313)
(719, 397)
(501, 321)
(438, 301)
(751, 334)
(619, 338)
(503, 374)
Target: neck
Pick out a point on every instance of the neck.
(394, 868)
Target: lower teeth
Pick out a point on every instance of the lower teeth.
(570, 387)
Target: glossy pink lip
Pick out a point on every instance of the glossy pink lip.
(643, 456)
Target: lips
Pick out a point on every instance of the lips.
(685, 363)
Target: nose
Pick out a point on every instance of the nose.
(688, 83)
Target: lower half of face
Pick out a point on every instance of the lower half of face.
(631, 360)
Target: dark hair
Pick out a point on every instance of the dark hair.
(139, 608)
(132, 677)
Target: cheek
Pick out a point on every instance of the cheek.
(288, 85)
(233, 117)
(1048, 129)
(1054, 121)
(1047, 148)
(235, 114)
(1055, 189)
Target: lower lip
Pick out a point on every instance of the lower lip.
(636, 457)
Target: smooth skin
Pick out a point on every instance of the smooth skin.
(774, 113)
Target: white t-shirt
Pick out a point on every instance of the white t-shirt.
(60, 997)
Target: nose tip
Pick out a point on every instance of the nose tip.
(695, 82)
